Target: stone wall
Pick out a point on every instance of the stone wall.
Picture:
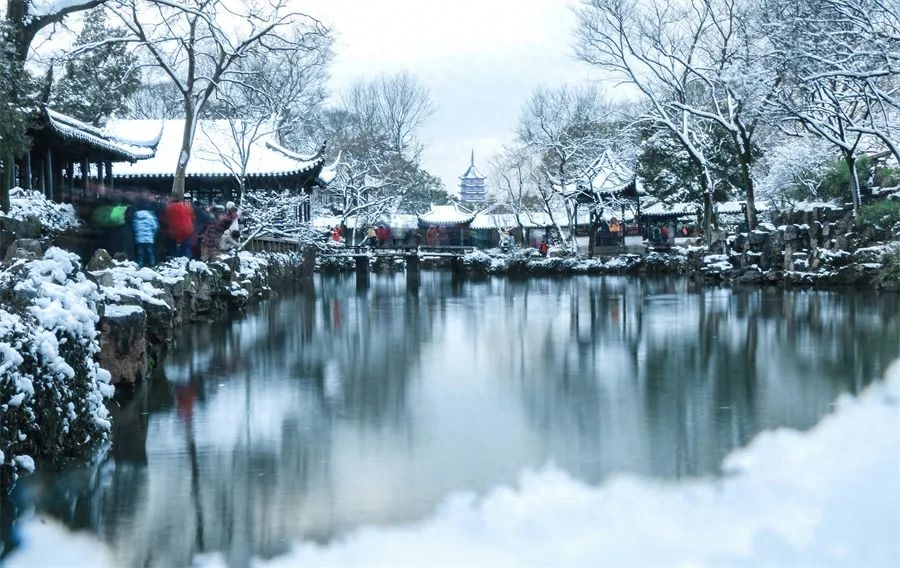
(142, 308)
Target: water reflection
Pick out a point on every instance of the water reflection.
(317, 413)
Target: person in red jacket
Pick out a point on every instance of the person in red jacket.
(179, 218)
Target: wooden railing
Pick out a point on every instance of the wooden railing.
(271, 244)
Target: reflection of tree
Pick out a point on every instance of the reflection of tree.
(666, 377)
(247, 437)
(280, 377)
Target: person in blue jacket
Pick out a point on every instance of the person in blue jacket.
(145, 225)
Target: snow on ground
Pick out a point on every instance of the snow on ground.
(55, 217)
(827, 497)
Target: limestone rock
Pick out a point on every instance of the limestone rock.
(29, 249)
(791, 233)
(28, 228)
(123, 343)
(100, 261)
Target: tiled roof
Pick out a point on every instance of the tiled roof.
(214, 152)
(129, 150)
(446, 215)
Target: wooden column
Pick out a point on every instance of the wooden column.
(362, 271)
(413, 272)
(27, 181)
(70, 178)
(85, 175)
(42, 175)
(48, 187)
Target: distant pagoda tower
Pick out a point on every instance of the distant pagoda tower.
(471, 184)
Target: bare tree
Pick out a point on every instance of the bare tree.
(376, 130)
(394, 107)
(654, 46)
(840, 63)
(27, 21)
(156, 98)
(513, 169)
(569, 129)
(276, 91)
(199, 43)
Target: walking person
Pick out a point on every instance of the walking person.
(371, 237)
(145, 226)
(209, 240)
(179, 218)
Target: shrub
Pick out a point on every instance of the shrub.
(887, 177)
(836, 183)
(884, 214)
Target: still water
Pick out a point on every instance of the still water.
(318, 412)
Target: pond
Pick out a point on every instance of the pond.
(322, 411)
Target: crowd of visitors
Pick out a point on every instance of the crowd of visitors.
(141, 225)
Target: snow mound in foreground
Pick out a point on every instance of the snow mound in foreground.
(825, 497)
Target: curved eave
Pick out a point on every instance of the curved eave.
(83, 133)
(445, 222)
(218, 174)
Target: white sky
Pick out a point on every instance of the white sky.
(481, 60)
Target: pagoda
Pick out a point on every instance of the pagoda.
(471, 184)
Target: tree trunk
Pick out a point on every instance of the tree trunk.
(187, 141)
(709, 216)
(850, 159)
(750, 191)
(5, 185)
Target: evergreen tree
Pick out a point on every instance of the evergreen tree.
(669, 174)
(101, 77)
(16, 88)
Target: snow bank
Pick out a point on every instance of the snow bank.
(55, 217)
(825, 497)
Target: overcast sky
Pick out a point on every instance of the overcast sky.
(480, 59)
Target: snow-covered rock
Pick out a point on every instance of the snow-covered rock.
(52, 390)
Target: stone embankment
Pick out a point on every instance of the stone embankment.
(69, 332)
(815, 254)
(147, 305)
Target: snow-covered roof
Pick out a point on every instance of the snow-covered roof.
(446, 215)
(609, 175)
(129, 148)
(734, 207)
(472, 172)
(660, 209)
(214, 153)
(404, 221)
(325, 221)
(329, 172)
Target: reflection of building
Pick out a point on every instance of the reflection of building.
(471, 184)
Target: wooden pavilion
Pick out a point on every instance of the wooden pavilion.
(68, 157)
(223, 153)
